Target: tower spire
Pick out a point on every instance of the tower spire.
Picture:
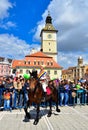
(48, 13)
(48, 18)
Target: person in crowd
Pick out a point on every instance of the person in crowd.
(21, 93)
(71, 94)
(1, 92)
(25, 92)
(7, 96)
(86, 94)
(7, 93)
(83, 93)
(61, 92)
(20, 83)
(66, 92)
(15, 94)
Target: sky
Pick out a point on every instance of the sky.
(22, 20)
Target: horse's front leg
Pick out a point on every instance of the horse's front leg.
(27, 114)
(57, 109)
(50, 110)
(37, 115)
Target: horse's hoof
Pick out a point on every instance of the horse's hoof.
(35, 122)
(49, 114)
(26, 119)
(58, 110)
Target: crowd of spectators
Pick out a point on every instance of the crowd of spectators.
(14, 92)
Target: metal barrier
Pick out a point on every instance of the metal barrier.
(79, 95)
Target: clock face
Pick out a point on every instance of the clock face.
(49, 36)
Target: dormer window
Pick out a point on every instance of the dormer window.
(24, 62)
(41, 62)
(48, 63)
(34, 62)
(51, 63)
(29, 62)
(38, 62)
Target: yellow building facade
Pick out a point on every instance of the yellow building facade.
(77, 72)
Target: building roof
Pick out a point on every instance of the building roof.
(36, 60)
(64, 71)
(38, 54)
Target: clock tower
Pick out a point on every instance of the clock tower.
(49, 39)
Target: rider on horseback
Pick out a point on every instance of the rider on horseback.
(41, 77)
(34, 74)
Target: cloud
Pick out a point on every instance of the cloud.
(70, 18)
(5, 5)
(70, 59)
(7, 25)
(13, 47)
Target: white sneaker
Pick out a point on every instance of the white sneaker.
(66, 105)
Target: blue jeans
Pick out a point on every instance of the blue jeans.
(61, 98)
(20, 103)
(6, 104)
(66, 98)
(70, 98)
(14, 100)
(0, 99)
(25, 99)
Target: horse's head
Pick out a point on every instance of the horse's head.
(32, 83)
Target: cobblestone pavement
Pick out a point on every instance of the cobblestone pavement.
(68, 119)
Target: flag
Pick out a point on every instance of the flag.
(41, 74)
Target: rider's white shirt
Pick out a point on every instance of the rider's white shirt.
(44, 85)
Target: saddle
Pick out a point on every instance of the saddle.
(48, 90)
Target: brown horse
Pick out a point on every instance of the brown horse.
(52, 96)
(35, 95)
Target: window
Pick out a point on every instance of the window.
(6, 70)
(27, 71)
(34, 62)
(49, 49)
(21, 71)
(29, 62)
(48, 71)
(78, 70)
(38, 63)
(55, 72)
(48, 63)
(49, 43)
(24, 62)
(41, 62)
(51, 63)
